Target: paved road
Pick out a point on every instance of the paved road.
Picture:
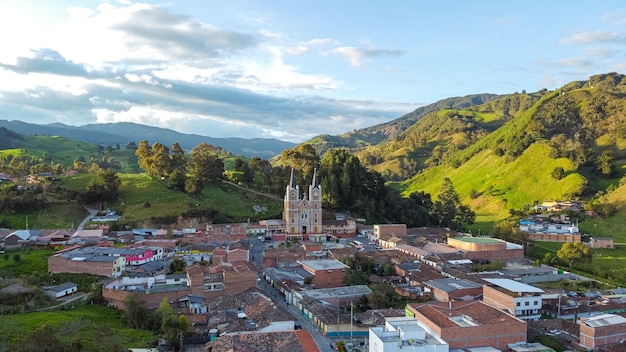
(322, 342)
(82, 224)
(64, 302)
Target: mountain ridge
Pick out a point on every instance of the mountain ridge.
(125, 132)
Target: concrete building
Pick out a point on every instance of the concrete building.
(469, 324)
(448, 289)
(399, 334)
(519, 299)
(60, 291)
(602, 329)
(326, 272)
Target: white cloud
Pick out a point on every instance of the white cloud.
(594, 37)
(359, 56)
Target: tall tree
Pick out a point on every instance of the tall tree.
(302, 158)
(161, 162)
(179, 159)
(205, 163)
(449, 210)
(144, 156)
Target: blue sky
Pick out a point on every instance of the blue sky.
(288, 69)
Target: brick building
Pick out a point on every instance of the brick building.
(231, 252)
(470, 324)
(601, 242)
(522, 300)
(487, 248)
(78, 262)
(326, 272)
(222, 279)
(383, 231)
(602, 329)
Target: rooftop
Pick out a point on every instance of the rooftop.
(323, 264)
(478, 239)
(337, 292)
(514, 286)
(604, 320)
(450, 285)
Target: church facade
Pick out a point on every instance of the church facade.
(302, 214)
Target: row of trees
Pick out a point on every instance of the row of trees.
(188, 175)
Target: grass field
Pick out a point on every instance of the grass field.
(502, 185)
(30, 261)
(606, 264)
(60, 215)
(144, 197)
(98, 328)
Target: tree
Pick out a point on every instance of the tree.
(177, 266)
(178, 157)
(205, 164)
(135, 313)
(177, 180)
(558, 173)
(606, 163)
(446, 204)
(144, 157)
(572, 252)
(302, 158)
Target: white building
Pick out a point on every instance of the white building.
(404, 334)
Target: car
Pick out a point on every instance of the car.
(261, 238)
(379, 247)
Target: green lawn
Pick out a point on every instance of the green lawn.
(30, 261)
(98, 328)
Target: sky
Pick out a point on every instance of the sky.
(289, 70)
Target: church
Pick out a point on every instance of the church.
(303, 215)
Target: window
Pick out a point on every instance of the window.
(517, 304)
(536, 303)
(526, 303)
(206, 277)
(217, 276)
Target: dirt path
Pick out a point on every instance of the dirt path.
(253, 191)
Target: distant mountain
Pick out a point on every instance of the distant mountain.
(382, 132)
(124, 132)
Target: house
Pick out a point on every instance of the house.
(404, 333)
(517, 298)
(19, 238)
(194, 303)
(465, 325)
(326, 272)
(279, 341)
(601, 242)
(222, 279)
(602, 330)
(60, 291)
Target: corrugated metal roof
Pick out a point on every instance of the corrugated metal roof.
(514, 286)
